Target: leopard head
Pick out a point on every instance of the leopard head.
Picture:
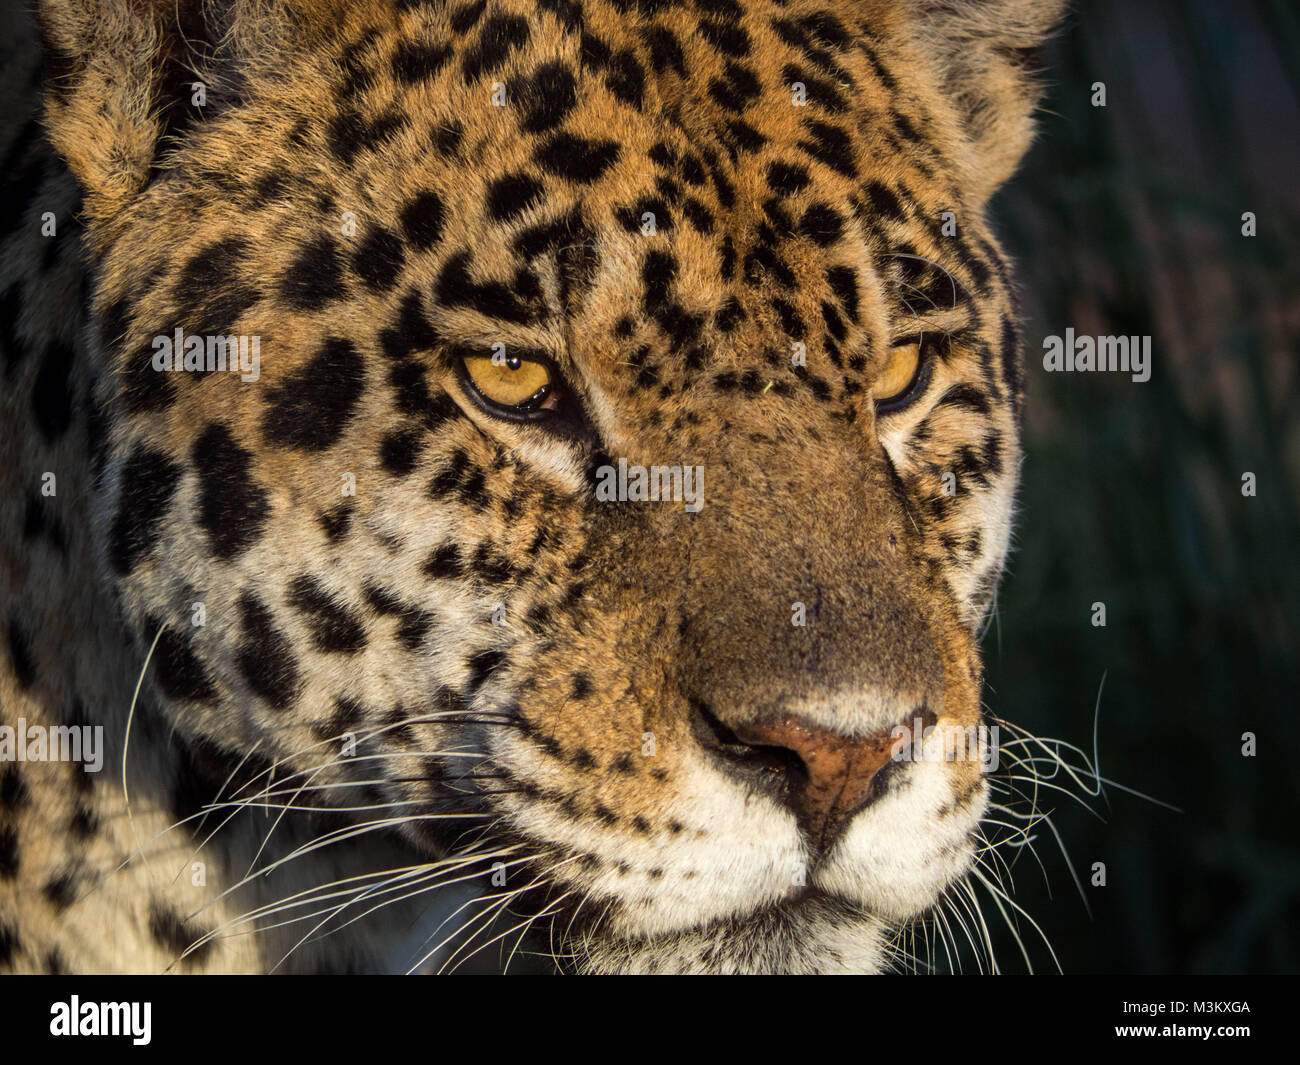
(599, 448)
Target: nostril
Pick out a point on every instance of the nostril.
(841, 774)
(768, 762)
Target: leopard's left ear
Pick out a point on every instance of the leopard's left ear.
(986, 55)
(122, 76)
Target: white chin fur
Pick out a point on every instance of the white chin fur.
(891, 865)
(819, 936)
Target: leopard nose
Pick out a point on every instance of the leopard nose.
(841, 774)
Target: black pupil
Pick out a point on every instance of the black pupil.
(514, 362)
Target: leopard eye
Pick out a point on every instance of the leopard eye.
(515, 384)
(903, 378)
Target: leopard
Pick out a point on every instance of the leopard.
(496, 480)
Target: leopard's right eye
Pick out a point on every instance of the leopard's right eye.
(514, 384)
(904, 377)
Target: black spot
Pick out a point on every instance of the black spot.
(657, 274)
(379, 258)
(232, 505)
(414, 626)
(843, 281)
(422, 219)
(264, 657)
(511, 196)
(8, 852)
(500, 36)
(399, 451)
(414, 62)
(787, 178)
(20, 654)
(84, 822)
(745, 137)
(447, 138)
(143, 388)
(884, 202)
(665, 51)
(490, 565)
(780, 223)
(464, 17)
(595, 53)
(148, 480)
(445, 562)
(692, 171)
(473, 489)
(315, 277)
(61, 890)
(964, 396)
(451, 475)
(727, 259)
(763, 260)
(547, 98)
(817, 90)
(630, 217)
(481, 666)
(176, 935)
(791, 324)
(411, 332)
(729, 315)
(834, 322)
(8, 943)
(822, 224)
(15, 350)
(832, 146)
(576, 158)
(569, 13)
(558, 233)
(698, 215)
(13, 792)
(493, 299)
(626, 78)
(412, 396)
(310, 408)
(349, 132)
(337, 522)
(269, 187)
(333, 627)
(209, 295)
(730, 39)
(1012, 371)
(737, 90)
(581, 685)
(177, 668)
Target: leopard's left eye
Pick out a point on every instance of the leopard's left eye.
(904, 376)
(511, 383)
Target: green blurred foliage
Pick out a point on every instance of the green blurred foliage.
(1127, 220)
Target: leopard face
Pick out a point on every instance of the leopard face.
(489, 255)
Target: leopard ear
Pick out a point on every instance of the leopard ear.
(986, 54)
(115, 73)
(123, 77)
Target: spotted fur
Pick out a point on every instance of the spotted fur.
(420, 630)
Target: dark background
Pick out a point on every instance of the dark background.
(1126, 219)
